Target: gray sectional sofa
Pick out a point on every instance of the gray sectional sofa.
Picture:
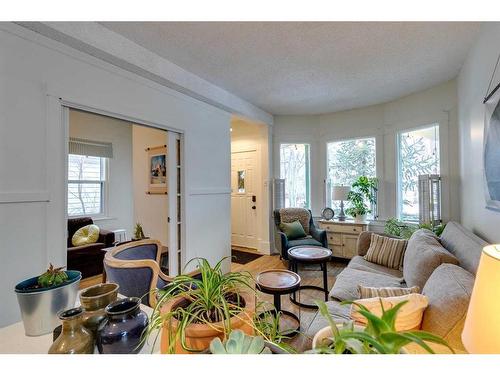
(444, 268)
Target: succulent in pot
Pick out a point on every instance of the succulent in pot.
(194, 309)
(42, 297)
(378, 337)
(239, 343)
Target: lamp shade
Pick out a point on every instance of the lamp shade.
(481, 332)
(339, 193)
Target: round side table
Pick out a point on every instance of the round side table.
(278, 282)
(310, 255)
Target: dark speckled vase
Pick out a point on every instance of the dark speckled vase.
(121, 331)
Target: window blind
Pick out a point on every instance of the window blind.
(87, 147)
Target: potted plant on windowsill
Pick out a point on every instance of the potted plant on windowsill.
(192, 310)
(378, 337)
(363, 190)
(41, 297)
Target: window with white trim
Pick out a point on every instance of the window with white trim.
(295, 170)
(86, 185)
(418, 154)
(346, 161)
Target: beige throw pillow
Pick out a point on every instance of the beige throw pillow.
(386, 251)
(369, 292)
(409, 316)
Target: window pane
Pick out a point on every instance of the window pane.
(418, 154)
(84, 198)
(85, 168)
(294, 168)
(86, 175)
(346, 161)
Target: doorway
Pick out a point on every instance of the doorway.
(250, 193)
(120, 173)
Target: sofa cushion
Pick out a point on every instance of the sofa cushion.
(409, 315)
(464, 244)
(304, 241)
(449, 290)
(369, 292)
(293, 230)
(86, 235)
(339, 313)
(386, 251)
(424, 254)
(360, 263)
(346, 283)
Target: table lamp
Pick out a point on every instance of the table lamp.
(481, 332)
(339, 193)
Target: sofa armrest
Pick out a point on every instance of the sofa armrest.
(281, 242)
(364, 240)
(106, 237)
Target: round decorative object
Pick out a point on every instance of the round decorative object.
(86, 235)
(121, 331)
(327, 213)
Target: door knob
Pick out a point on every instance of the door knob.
(253, 207)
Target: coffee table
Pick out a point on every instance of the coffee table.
(278, 282)
(310, 255)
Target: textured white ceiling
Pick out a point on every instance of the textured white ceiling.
(310, 68)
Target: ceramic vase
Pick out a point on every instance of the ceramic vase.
(94, 301)
(74, 337)
(121, 330)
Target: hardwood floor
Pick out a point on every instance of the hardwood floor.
(310, 275)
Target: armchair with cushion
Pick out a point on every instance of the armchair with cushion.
(87, 258)
(314, 236)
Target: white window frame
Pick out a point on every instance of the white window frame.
(308, 168)
(375, 214)
(104, 191)
(398, 164)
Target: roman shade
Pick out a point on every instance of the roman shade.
(86, 147)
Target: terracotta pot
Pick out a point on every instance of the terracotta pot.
(199, 336)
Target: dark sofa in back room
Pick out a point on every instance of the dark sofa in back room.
(88, 259)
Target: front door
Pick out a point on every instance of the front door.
(244, 199)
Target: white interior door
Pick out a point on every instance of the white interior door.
(244, 199)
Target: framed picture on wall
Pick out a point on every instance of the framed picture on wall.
(157, 169)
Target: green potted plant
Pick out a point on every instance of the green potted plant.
(378, 337)
(239, 343)
(194, 309)
(41, 297)
(138, 232)
(363, 191)
(402, 229)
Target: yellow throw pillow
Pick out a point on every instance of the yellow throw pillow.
(409, 316)
(86, 235)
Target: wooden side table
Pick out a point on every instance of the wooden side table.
(310, 255)
(343, 236)
(278, 282)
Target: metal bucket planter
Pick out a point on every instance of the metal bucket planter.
(39, 307)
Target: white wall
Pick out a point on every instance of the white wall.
(34, 74)
(383, 122)
(247, 136)
(119, 194)
(473, 82)
(149, 209)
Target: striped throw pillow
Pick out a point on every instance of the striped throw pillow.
(368, 292)
(386, 251)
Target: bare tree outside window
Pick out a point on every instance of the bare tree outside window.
(346, 161)
(86, 180)
(294, 168)
(418, 154)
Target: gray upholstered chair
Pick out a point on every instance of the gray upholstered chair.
(135, 267)
(314, 236)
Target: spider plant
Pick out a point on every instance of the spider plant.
(211, 298)
(378, 337)
(267, 325)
